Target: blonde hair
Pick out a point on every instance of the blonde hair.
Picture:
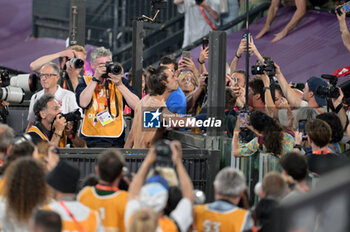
(184, 74)
(144, 220)
(78, 48)
(167, 173)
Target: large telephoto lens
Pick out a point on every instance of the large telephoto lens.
(25, 81)
(12, 94)
(77, 63)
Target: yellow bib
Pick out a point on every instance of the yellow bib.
(91, 126)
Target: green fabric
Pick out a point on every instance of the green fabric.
(103, 192)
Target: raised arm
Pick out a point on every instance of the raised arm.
(202, 58)
(36, 64)
(292, 97)
(137, 182)
(185, 181)
(344, 31)
(270, 104)
(241, 48)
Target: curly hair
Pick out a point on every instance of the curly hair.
(272, 131)
(156, 83)
(25, 188)
(334, 122)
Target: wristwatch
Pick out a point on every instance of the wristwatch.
(94, 79)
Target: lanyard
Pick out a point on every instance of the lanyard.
(206, 18)
(320, 152)
(98, 98)
(107, 188)
(82, 229)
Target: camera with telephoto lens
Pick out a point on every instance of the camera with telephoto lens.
(268, 67)
(163, 153)
(112, 68)
(76, 63)
(74, 116)
(13, 88)
(331, 91)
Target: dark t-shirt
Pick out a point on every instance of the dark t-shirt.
(35, 137)
(322, 163)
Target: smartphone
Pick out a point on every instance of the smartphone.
(346, 8)
(235, 79)
(243, 117)
(186, 54)
(301, 126)
(245, 36)
(205, 43)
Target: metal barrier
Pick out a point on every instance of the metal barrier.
(201, 165)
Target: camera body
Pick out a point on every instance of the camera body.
(163, 153)
(268, 67)
(77, 63)
(331, 91)
(198, 2)
(112, 68)
(74, 116)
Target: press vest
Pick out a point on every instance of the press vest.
(35, 129)
(90, 223)
(212, 220)
(92, 127)
(111, 207)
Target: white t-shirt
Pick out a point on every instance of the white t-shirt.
(8, 222)
(195, 25)
(64, 97)
(182, 214)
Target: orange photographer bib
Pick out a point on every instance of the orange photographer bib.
(43, 136)
(103, 118)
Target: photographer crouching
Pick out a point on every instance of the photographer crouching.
(53, 126)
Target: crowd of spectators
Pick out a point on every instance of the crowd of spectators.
(84, 106)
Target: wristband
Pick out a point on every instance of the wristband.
(200, 61)
(266, 88)
(94, 79)
(237, 56)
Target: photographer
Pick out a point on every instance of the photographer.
(154, 192)
(310, 98)
(103, 98)
(71, 62)
(50, 124)
(49, 76)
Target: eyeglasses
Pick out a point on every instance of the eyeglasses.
(47, 75)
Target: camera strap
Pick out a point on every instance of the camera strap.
(109, 101)
(207, 19)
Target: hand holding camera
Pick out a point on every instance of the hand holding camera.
(176, 150)
(59, 124)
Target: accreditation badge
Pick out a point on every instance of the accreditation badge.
(104, 117)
